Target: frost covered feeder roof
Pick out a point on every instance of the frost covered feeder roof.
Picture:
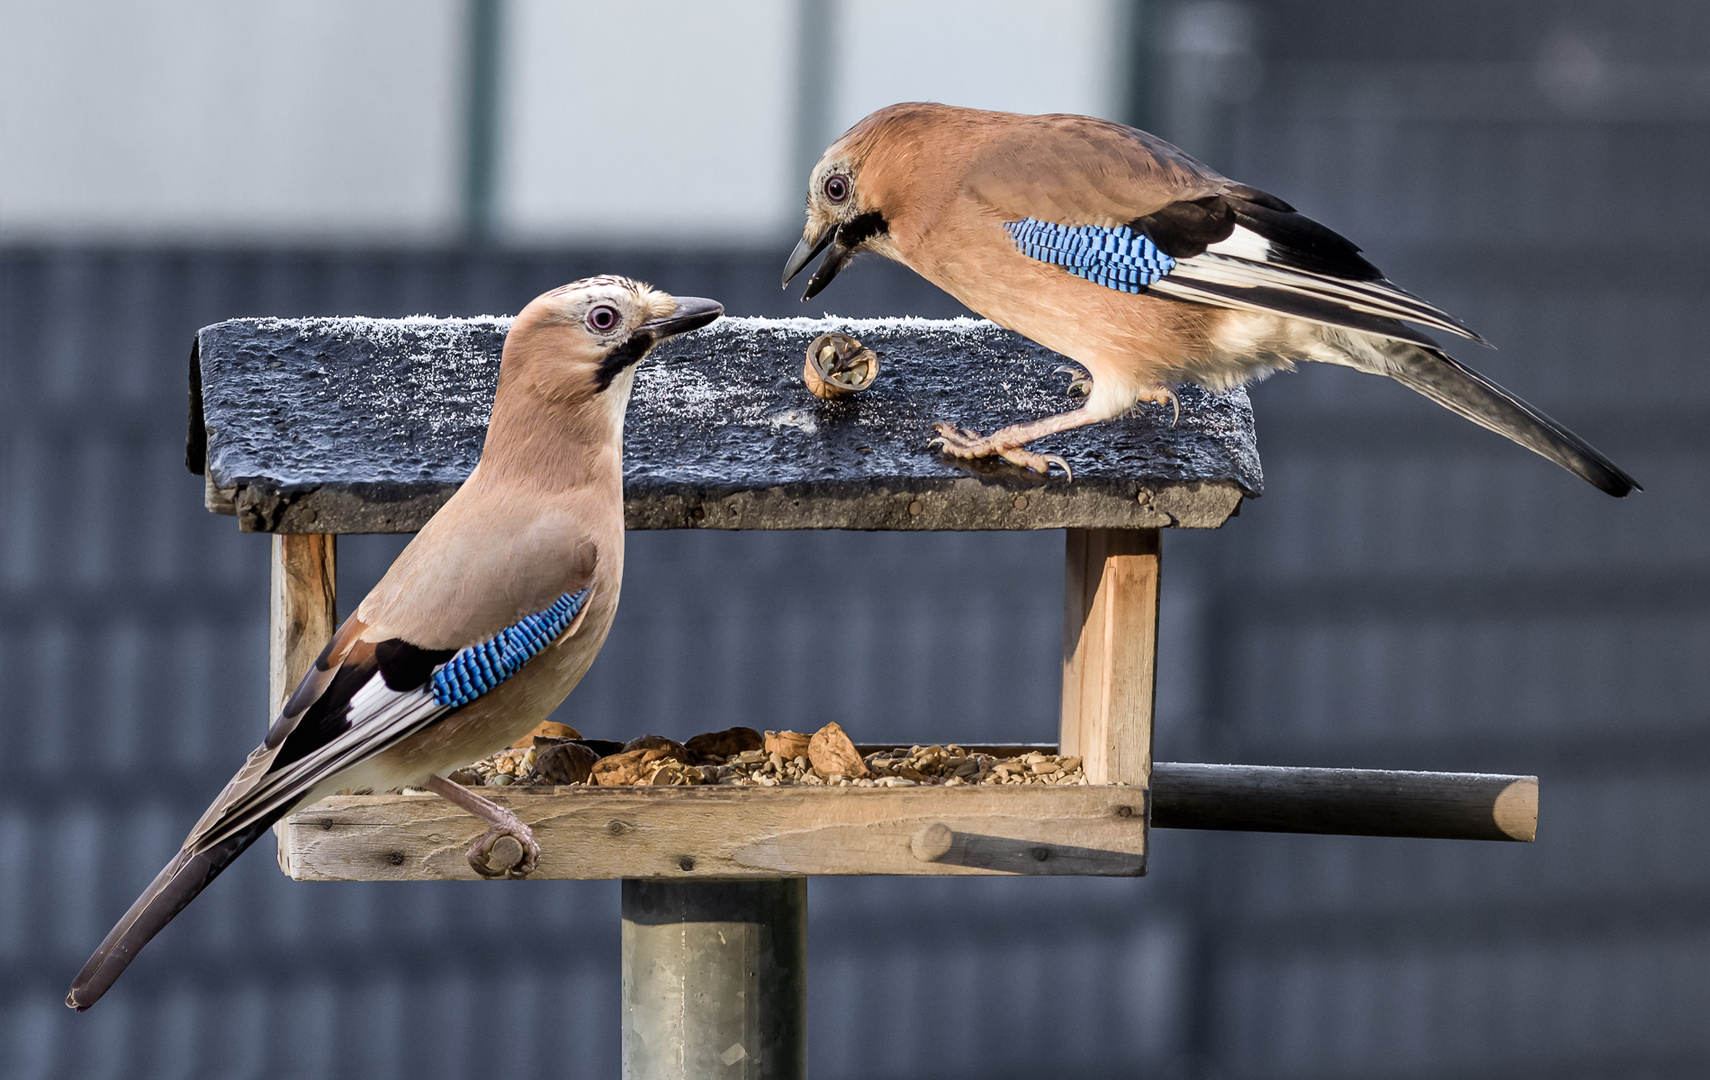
(353, 425)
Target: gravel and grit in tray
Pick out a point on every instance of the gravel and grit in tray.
(557, 755)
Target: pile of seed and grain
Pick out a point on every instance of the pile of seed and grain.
(556, 754)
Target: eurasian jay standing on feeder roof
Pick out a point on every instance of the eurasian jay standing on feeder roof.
(483, 624)
(1119, 251)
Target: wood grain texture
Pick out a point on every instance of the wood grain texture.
(1110, 652)
(736, 832)
(303, 613)
(304, 609)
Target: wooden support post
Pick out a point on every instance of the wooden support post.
(304, 609)
(303, 614)
(715, 979)
(1110, 652)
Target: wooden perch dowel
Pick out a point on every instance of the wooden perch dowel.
(1347, 802)
(507, 854)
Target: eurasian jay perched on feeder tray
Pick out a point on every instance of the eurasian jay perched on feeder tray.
(484, 623)
(1114, 248)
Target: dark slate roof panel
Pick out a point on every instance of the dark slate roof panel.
(368, 425)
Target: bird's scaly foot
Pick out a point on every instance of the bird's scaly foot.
(960, 443)
(507, 850)
(1079, 381)
(1163, 395)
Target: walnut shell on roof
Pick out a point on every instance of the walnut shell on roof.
(838, 365)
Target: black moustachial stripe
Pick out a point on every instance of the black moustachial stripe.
(861, 228)
(632, 350)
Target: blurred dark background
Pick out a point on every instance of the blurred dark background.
(1410, 592)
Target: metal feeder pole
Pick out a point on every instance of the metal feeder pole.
(715, 979)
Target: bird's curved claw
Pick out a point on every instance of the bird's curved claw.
(491, 857)
(955, 441)
(1078, 379)
(1165, 396)
(1039, 463)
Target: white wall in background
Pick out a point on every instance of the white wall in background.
(269, 120)
(1011, 55)
(678, 121)
(667, 121)
(341, 121)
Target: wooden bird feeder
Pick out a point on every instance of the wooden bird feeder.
(309, 428)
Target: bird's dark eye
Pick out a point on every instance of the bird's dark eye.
(602, 318)
(836, 188)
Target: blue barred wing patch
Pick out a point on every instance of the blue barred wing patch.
(474, 670)
(1117, 258)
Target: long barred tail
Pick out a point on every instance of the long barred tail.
(172, 890)
(1462, 390)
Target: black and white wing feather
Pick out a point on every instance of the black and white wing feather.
(359, 699)
(1252, 251)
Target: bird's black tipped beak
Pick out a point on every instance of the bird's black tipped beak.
(834, 260)
(804, 252)
(693, 312)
